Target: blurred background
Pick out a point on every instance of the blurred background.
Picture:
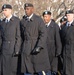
(57, 7)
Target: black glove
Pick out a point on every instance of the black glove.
(15, 54)
(37, 50)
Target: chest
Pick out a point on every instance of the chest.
(70, 33)
(51, 31)
(8, 28)
(31, 27)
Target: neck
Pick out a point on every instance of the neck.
(71, 20)
(9, 16)
(48, 22)
(29, 15)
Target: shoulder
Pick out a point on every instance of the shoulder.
(54, 24)
(37, 17)
(73, 23)
(23, 19)
(15, 18)
(2, 21)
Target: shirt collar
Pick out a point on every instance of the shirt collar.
(9, 18)
(69, 22)
(30, 16)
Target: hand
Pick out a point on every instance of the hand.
(15, 54)
(37, 50)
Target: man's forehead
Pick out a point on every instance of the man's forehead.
(70, 14)
(6, 9)
(28, 7)
(47, 15)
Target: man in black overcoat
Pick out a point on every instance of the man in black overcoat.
(34, 52)
(67, 35)
(10, 41)
(53, 41)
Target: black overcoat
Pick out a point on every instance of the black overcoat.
(33, 34)
(67, 35)
(53, 44)
(10, 41)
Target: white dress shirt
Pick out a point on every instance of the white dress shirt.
(8, 19)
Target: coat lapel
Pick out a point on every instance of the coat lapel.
(51, 26)
(72, 23)
(5, 25)
(69, 30)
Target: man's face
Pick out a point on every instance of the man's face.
(70, 17)
(6, 12)
(46, 18)
(29, 10)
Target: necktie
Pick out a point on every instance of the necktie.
(69, 25)
(46, 25)
(28, 19)
(6, 21)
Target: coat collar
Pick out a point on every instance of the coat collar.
(72, 23)
(51, 24)
(12, 18)
(31, 19)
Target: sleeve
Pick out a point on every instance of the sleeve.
(42, 34)
(18, 37)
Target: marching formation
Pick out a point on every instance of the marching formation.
(36, 45)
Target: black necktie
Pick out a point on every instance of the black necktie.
(6, 21)
(69, 25)
(28, 19)
(46, 25)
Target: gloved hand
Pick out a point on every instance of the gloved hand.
(15, 54)
(37, 50)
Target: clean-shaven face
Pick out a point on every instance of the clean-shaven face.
(47, 18)
(29, 10)
(7, 12)
(70, 17)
